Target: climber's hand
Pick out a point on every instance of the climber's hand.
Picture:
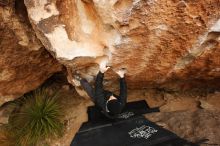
(103, 64)
(121, 72)
(103, 69)
(76, 82)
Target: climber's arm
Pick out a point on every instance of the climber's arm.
(99, 92)
(123, 86)
(123, 91)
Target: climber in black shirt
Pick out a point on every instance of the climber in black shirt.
(110, 104)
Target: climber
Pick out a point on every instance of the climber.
(110, 104)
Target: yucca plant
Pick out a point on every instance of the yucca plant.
(6, 138)
(37, 118)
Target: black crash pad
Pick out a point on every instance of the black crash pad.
(131, 109)
(135, 131)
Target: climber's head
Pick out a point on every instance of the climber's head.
(113, 105)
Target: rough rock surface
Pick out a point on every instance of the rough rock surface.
(160, 42)
(192, 126)
(24, 63)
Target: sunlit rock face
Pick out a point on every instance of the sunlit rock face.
(24, 63)
(162, 43)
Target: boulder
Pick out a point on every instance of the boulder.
(24, 63)
(162, 43)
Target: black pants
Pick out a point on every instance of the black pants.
(88, 88)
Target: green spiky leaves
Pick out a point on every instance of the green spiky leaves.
(37, 118)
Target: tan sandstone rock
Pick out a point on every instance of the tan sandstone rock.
(193, 126)
(167, 43)
(24, 63)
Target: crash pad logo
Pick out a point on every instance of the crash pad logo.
(125, 115)
(142, 132)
